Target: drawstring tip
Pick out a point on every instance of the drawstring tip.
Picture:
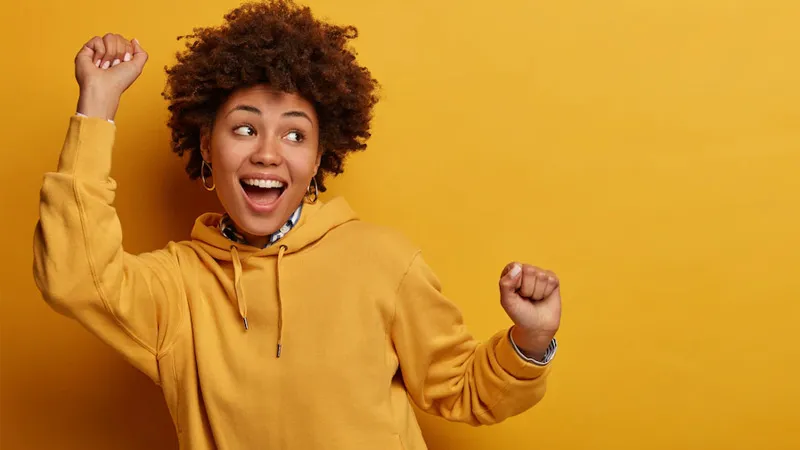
(279, 350)
(244, 319)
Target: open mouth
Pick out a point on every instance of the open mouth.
(262, 192)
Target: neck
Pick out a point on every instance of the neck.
(256, 241)
(229, 230)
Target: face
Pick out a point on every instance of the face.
(263, 151)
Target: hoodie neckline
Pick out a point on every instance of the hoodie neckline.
(228, 228)
(316, 220)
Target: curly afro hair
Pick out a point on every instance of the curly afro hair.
(281, 44)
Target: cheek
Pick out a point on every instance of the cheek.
(227, 160)
(302, 165)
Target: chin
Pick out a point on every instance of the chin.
(257, 225)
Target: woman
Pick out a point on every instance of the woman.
(285, 323)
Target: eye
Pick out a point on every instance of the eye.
(295, 136)
(244, 130)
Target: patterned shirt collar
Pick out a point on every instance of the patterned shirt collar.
(228, 229)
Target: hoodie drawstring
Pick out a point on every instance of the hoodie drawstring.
(281, 252)
(237, 283)
(242, 302)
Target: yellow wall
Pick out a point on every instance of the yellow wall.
(648, 151)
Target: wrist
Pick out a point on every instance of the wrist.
(97, 104)
(533, 344)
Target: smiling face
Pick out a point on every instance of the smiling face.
(263, 151)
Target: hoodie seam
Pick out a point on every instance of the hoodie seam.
(87, 248)
(391, 340)
(476, 411)
(166, 349)
(414, 258)
(400, 285)
(177, 399)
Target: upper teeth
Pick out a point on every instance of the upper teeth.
(264, 183)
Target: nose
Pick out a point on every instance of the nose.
(267, 152)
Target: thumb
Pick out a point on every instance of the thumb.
(85, 56)
(139, 55)
(85, 53)
(511, 280)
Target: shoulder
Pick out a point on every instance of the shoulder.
(381, 244)
(371, 235)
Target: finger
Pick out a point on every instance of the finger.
(541, 285)
(528, 281)
(128, 52)
(510, 278)
(122, 46)
(139, 55)
(110, 42)
(552, 284)
(94, 49)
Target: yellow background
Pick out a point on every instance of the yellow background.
(648, 151)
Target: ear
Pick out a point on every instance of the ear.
(317, 162)
(205, 144)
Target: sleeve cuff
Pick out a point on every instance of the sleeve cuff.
(84, 115)
(509, 358)
(548, 354)
(87, 148)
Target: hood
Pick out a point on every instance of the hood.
(315, 221)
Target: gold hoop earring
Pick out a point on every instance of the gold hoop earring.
(315, 194)
(203, 176)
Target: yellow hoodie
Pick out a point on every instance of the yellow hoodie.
(359, 318)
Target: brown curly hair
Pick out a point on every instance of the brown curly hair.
(281, 44)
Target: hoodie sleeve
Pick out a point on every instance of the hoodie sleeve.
(445, 370)
(130, 301)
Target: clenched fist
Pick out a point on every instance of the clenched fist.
(532, 299)
(104, 68)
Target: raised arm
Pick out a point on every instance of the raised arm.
(132, 302)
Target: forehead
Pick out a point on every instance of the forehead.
(266, 98)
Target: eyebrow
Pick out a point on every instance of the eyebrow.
(296, 113)
(247, 108)
(253, 109)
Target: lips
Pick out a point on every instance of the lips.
(262, 194)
